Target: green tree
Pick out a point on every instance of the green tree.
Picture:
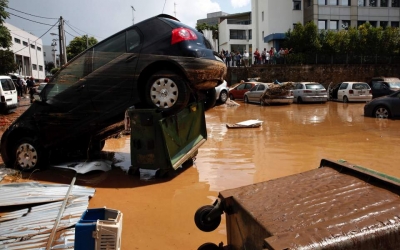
(390, 41)
(79, 44)
(203, 26)
(7, 63)
(54, 70)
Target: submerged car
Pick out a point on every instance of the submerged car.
(309, 92)
(384, 107)
(257, 94)
(350, 92)
(159, 63)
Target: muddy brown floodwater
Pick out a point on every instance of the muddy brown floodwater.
(158, 214)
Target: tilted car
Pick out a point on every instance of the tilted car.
(158, 63)
(257, 95)
(350, 92)
(384, 107)
(382, 86)
(309, 92)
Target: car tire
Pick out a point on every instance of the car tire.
(223, 96)
(210, 98)
(208, 246)
(167, 91)
(29, 154)
(345, 99)
(246, 99)
(231, 97)
(382, 112)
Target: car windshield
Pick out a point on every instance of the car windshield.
(360, 86)
(394, 85)
(314, 86)
(7, 84)
(41, 86)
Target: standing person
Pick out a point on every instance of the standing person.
(264, 56)
(19, 87)
(267, 57)
(246, 58)
(24, 86)
(233, 58)
(227, 58)
(257, 56)
(31, 87)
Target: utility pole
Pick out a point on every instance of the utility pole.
(133, 16)
(62, 40)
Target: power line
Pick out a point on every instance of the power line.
(83, 31)
(30, 19)
(72, 29)
(38, 37)
(69, 33)
(31, 14)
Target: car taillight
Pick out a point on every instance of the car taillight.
(370, 91)
(307, 91)
(182, 34)
(351, 91)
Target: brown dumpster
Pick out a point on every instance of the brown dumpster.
(336, 206)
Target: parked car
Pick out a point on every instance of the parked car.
(350, 92)
(222, 91)
(309, 92)
(384, 107)
(256, 93)
(382, 86)
(237, 92)
(159, 63)
(8, 94)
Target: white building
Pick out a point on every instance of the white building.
(28, 53)
(235, 32)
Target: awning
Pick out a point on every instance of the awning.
(274, 36)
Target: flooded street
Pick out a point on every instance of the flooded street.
(158, 214)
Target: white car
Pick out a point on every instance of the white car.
(351, 92)
(256, 94)
(8, 94)
(309, 92)
(222, 91)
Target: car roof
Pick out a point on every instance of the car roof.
(308, 82)
(355, 82)
(5, 77)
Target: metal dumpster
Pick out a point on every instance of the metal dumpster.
(337, 206)
(165, 143)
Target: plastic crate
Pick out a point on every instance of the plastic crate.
(99, 229)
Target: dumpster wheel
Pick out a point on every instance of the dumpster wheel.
(203, 221)
(209, 246)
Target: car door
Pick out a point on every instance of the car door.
(342, 90)
(9, 92)
(395, 105)
(377, 88)
(251, 93)
(238, 91)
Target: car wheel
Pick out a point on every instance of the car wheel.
(231, 97)
(208, 246)
(210, 98)
(345, 99)
(167, 91)
(29, 154)
(299, 100)
(223, 96)
(382, 112)
(246, 99)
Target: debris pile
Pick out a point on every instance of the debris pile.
(277, 89)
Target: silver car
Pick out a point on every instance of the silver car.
(309, 92)
(256, 94)
(222, 91)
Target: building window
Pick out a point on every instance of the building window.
(25, 43)
(345, 2)
(333, 2)
(322, 24)
(345, 24)
(361, 2)
(34, 67)
(384, 24)
(250, 34)
(16, 40)
(40, 67)
(395, 24)
(373, 3)
(296, 5)
(237, 34)
(32, 46)
(321, 2)
(359, 23)
(309, 3)
(44, 54)
(373, 23)
(384, 3)
(395, 3)
(333, 25)
(262, 16)
(39, 48)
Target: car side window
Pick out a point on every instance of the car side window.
(343, 86)
(248, 86)
(377, 85)
(132, 40)
(241, 86)
(108, 50)
(253, 88)
(261, 87)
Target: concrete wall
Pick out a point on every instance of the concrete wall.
(318, 73)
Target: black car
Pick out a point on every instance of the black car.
(384, 107)
(158, 63)
(382, 86)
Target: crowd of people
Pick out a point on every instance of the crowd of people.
(272, 56)
(25, 86)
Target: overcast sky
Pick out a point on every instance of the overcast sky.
(102, 18)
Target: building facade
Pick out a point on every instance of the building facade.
(28, 53)
(235, 32)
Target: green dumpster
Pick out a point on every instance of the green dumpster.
(165, 143)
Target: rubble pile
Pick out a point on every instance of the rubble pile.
(277, 89)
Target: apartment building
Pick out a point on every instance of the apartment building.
(235, 32)
(28, 53)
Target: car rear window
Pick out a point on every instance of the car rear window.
(360, 86)
(314, 86)
(7, 84)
